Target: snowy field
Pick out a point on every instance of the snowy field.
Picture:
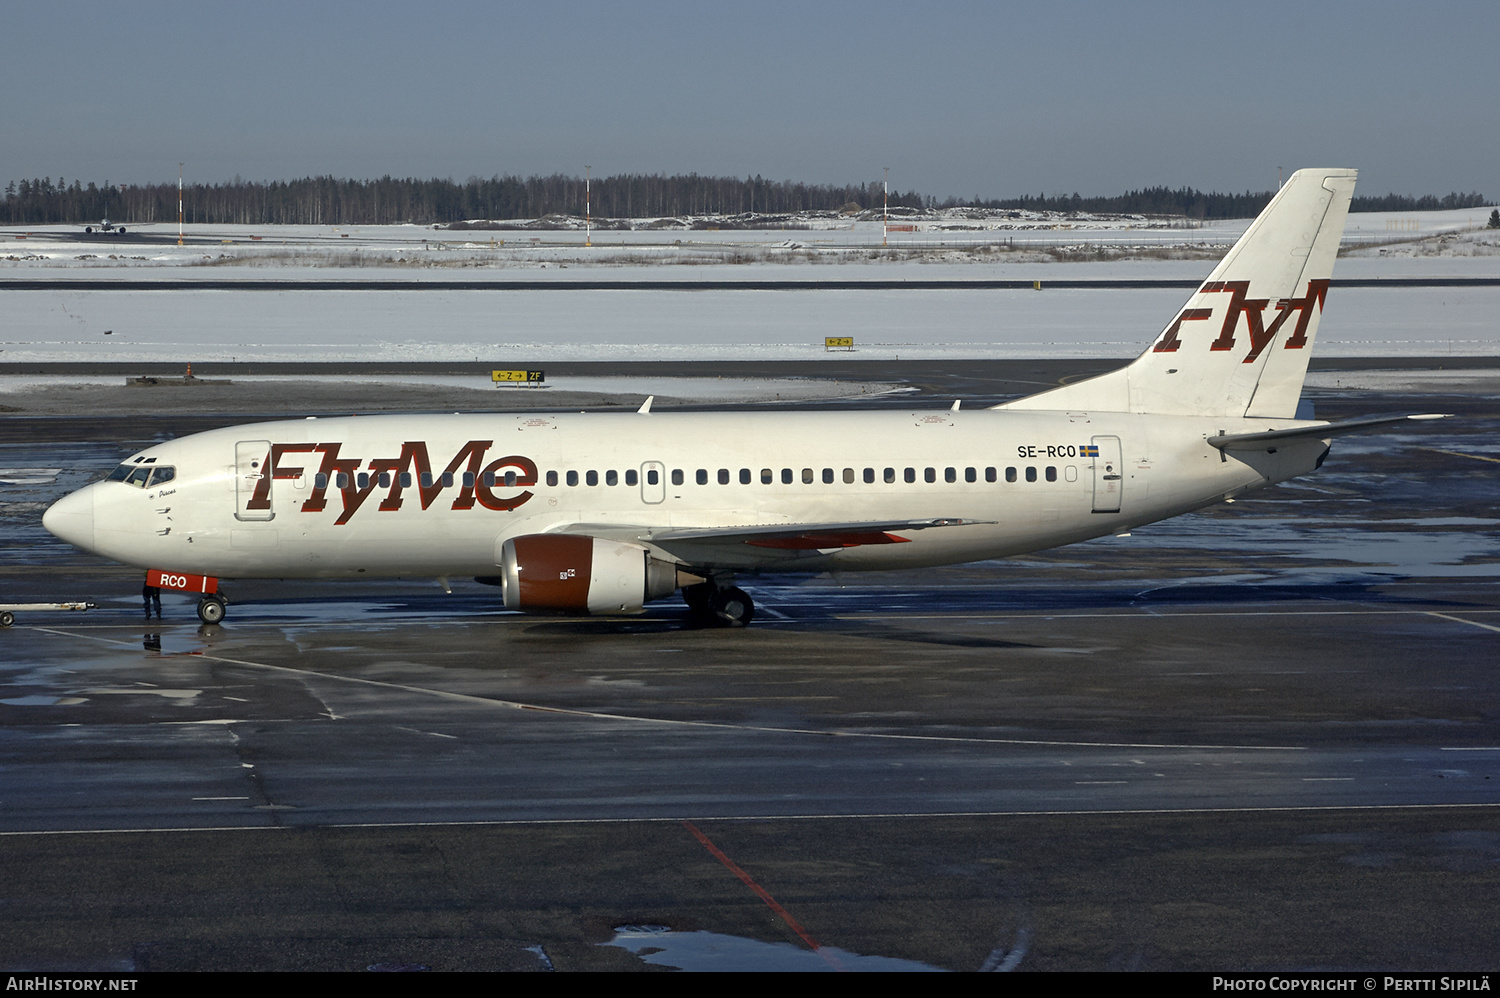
(512, 327)
(992, 247)
(519, 328)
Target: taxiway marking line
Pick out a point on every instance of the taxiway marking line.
(761, 893)
(673, 722)
(1126, 613)
(1144, 613)
(846, 816)
(1457, 453)
(1460, 620)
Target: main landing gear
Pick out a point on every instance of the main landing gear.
(727, 607)
(211, 609)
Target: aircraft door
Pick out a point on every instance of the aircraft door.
(252, 480)
(653, 482)
(1109, 475)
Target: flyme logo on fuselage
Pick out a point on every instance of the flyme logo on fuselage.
(356, 479)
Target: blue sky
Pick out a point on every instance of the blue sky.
(964, 99)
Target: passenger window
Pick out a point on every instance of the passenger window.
(363, 480)
(631, 477)
(426, 479)
(385, 479)
(950, 475)
(1031, 474)
(591, 477)
(723, 476)
(653, 477)
(767, 476)
(406, 479)
(611, 478)
(989, 474)
(848, 476)
(342, 481)
(807, 476)
(929, 474)
(970, 475)
(786, 476)
(744, 476)
(1010, 474)
(869, 476)
(676, 476)
(890, 476)
(702, 476)
(469, 479)
(1051, 474)
(320, 481)
(448, 479)
(510, 479)
(572, 478)
(551, 478)
(827, 476)
(1070, 473)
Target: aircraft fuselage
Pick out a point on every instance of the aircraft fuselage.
(439, 495)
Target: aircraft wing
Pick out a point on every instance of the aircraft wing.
(1271, 439)
(783, 536)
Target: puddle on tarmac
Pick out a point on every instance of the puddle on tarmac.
(712, 952)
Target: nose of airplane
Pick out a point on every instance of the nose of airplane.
(72, 518)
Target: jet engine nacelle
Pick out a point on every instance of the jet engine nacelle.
(574, 573)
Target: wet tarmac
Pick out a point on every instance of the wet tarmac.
(1263, 736)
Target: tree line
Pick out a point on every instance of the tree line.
(389, 200)
(1196, 204)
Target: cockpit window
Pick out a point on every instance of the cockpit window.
(141, 474)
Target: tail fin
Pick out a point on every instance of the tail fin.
(1228, 353)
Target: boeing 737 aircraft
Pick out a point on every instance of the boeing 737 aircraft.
(600, 513)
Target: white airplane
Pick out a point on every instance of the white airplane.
(600, 513)
(105, 226)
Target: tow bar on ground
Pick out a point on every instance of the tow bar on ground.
(8, 611)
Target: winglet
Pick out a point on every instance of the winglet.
(646, 405)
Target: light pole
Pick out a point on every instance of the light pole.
(588, 206)
(885, 211)
(179, 204)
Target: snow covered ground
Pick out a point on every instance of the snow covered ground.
(520, 328)
(513, 327)
(412, 252)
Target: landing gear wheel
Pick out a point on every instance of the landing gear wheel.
(7, 618)
(733, 607)
(211, 609)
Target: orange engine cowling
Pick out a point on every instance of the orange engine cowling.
(575, 573)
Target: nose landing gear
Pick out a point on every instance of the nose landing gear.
(211, 609)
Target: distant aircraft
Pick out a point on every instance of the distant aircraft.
(601, 513)
(106, 226)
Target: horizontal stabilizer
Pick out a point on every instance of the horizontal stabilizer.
(1271, 439)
